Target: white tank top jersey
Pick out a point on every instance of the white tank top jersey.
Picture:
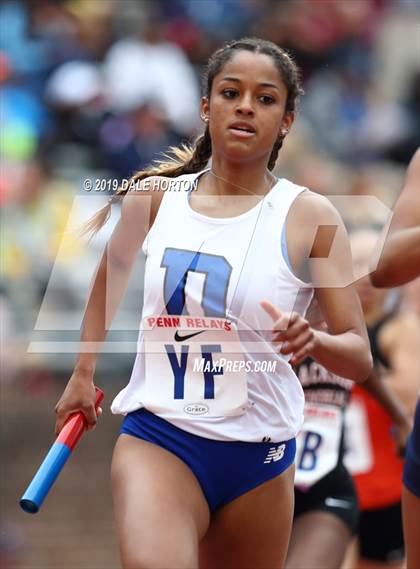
(205, 277)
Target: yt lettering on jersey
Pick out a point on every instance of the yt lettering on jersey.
(275, 454)
(179, 368)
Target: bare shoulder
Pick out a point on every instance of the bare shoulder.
(138, 212)
(314, 208)
(317, 239)
(312, 218)
(144, 196)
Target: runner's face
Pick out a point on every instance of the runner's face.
(246, 108)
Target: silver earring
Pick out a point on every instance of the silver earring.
(205, 119)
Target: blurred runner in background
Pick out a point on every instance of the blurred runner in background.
(400, 263)
(326, 504)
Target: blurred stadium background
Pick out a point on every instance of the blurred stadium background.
(94, 90)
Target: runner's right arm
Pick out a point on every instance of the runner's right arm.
(138, 212)
(399, 262)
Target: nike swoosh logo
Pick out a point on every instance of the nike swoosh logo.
(334, 502)
(179, 338)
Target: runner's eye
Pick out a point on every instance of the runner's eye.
(229, 93)
(267, 99)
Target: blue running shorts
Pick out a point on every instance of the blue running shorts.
(224, 469)
(411, 476)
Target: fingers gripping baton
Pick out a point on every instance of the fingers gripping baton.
(55, 460)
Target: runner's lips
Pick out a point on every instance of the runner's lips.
(242, 129)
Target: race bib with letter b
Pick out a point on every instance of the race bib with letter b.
(318, 443)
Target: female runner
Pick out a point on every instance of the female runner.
(374, 454)
(399, 264)
(326, 504)
(207, 447)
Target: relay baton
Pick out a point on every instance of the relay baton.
(55, 460)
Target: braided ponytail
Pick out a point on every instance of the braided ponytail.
(275, 152)
(181, 160)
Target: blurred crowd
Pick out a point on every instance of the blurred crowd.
(96, 90)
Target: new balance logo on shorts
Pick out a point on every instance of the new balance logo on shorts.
(275, 453)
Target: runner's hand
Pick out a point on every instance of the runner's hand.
(79, 395)
(291, 333)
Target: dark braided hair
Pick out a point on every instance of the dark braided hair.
(188, 159)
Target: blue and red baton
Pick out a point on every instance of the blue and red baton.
(55, 460)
